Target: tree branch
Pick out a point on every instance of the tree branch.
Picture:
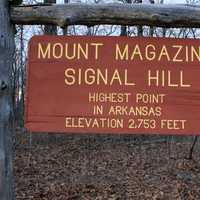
(122, 14)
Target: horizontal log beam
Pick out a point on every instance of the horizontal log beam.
(121, 14)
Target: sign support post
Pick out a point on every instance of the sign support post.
(6, 105)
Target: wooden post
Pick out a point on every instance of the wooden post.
(6, 105)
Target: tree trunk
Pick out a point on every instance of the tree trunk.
(65, 29)
(151, 30)
(6, 103)
(50, 29)
(192, 148)
(124, 31)
(139, 28)
(164, 30)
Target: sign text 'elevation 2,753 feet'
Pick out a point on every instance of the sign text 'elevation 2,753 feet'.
(84, 84)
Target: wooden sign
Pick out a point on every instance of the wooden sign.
(86, 84)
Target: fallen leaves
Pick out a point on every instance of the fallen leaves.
(103, 168)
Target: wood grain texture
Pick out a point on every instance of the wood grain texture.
(6, 57)
(64, 86)
(122, 14)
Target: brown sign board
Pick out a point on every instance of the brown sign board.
(86, 84)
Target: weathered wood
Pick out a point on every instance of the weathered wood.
(50, 29)
(122, 14)
(6, 57)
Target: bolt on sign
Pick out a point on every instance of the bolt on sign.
(86, 84)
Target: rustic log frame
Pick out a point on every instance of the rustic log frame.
(64, 15)
(122, 14)
(6, 104)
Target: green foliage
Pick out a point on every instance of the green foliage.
(15, 2)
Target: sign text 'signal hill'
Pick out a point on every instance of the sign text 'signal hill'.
(83, 84)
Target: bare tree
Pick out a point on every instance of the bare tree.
(124, 31)
(65, 29)
(151, 30)
(50, 29)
